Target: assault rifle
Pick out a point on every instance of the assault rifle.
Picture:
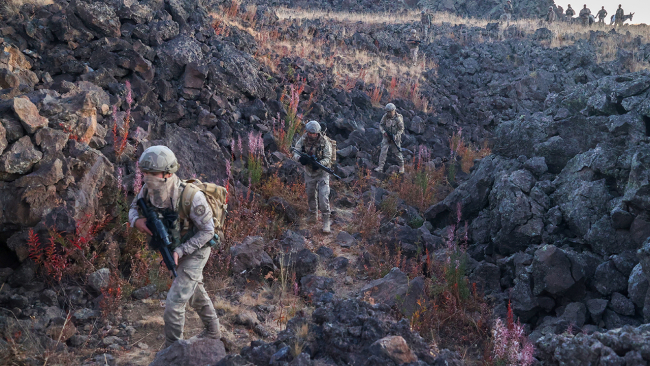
(391, 137)
(161, 240)
(314, 163)
(415, 41)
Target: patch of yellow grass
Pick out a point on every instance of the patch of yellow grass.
(12, 7)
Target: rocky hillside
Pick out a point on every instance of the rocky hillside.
(555, 219)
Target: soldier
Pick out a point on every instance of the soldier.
(317, 181)
(163, 190)
(550, 16)
(569, 13)
(414, 45)
(619, 16)
(508, 8)
(559, 12)
(602, 13)
(391, 123)
(425, 19)
(584, 15)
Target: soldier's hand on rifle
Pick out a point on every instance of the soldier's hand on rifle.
(141, 225)
(175, 256)
(304, 160)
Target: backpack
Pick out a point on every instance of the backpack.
(333, 144)
(216, 196)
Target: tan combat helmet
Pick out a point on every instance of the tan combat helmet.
(312, 127)
(389, 107)
(158, 159)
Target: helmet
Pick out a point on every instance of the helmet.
(313, 127)
(389, 107)
(158, 159)
(413, 31)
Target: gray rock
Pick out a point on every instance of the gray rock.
(20, 158)
(554, 271)
(575, 313)
(608, 279)
(317, 289)
(99, 279)
(144, 292)
(621, 304)
(345, 240)
(637, 286)
(190, 352)
(250, 256)
(597, 308)
(388, 289)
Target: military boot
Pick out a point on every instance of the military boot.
(401, 169)
(326, 224)
(312, 218)
(211, 330)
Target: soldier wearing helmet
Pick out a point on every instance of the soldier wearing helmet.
(391, 123)
(425, 19)
(163, 191)
(413, 43)
(317, 181)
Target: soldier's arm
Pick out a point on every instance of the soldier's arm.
(134, 212)
(298, 147)
(400, 125)
(201, 216)
(327, 154)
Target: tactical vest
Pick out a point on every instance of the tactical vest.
(179, 231)
(317, 148)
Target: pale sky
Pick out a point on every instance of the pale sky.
(641, 8)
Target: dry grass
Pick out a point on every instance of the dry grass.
(11, 8)
(376, 18)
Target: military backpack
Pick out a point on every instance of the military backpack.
(216, 197)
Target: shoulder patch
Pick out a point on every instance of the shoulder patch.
(199, 210)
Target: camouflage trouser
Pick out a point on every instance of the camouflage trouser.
(317, 186)
(188, 288)
(386, 144)
(414, 54)
(425, 31)
(601, 20)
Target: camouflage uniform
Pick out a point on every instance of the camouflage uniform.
(619, 16)
(193, 255)
(584, 16)
(602, 13)
(395, 126)
(414, 45)
(570, 13)
(317, 181)
(550, 17)
(425, 19)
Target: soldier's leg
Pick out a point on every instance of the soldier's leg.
(382, 155)
(311, 191)
(202, 303)
(324, 200)
(400, 158)
(180, 293)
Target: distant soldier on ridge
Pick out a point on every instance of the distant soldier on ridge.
(584, 15)
(619, 16)
(550, 16)
(602, 13)
(413, 43)
(425, 19)
(569, 13)
(560, 12)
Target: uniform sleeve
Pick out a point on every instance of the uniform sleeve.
(327, 154)
(400, 125)
(201, 216)
(134, 211)
(298, 147)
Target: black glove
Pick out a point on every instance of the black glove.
(304, 160)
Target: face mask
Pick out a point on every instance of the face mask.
(159, 190)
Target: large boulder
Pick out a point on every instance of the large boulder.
(386, 290)
(28, 115)
(555, 272)
(191, 352)
(20, 158)
(249, 256)
(99, 17)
